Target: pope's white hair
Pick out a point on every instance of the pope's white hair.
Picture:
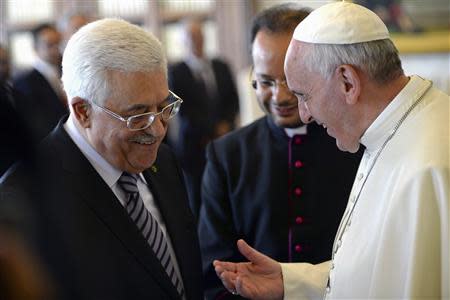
(378, 59)
(104, 46)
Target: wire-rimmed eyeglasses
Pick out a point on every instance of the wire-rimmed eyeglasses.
(268, 83)
(145, 120)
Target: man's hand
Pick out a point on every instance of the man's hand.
(259, 279)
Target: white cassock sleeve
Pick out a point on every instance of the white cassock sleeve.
(305, 281)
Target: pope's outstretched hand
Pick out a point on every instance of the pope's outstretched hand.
(258, 279)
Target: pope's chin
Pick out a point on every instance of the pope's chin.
(349, 147)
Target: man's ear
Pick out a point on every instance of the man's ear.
(81, 111)
(349, 83)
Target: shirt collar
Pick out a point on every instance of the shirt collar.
(379, 130)
(196, 64)
(290, 132)
(49, 71)
(109, 173)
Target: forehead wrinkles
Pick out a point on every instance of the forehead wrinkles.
(294, 62)
(120, 83)
(138, 90)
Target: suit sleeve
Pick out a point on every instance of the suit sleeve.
(217, 232)
(232, 104)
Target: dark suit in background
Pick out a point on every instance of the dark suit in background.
(15, 137)
(199, 117)
(284, 196)
(39, 104)
(87, 240)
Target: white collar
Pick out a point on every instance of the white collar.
(378, 131)
(49, 71)
(293, 131)
(196, 63)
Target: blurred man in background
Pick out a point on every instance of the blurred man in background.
(43, 102)
(209, 109)
(14, 133)
(70, 23)
(5, 65)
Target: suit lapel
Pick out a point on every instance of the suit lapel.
(168, 198)
(92, 189)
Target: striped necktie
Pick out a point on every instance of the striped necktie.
(149, 227)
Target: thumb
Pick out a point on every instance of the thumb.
(250, 253)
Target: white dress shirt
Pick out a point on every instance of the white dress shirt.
(203, 71)
(51, 74)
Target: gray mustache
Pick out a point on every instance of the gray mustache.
(144, 139)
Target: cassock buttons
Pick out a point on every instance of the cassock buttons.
(298, 164)
(298, 248)
(299, 220)
(297, 140)
(298, 191)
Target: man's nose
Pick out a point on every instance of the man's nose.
(304, 113)
(281, 93)
(157, 128)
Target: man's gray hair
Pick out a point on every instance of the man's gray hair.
(103, 46)
(378, 59)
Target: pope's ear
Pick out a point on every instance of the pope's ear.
(349, 83)
(81, 110)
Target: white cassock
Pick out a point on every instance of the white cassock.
(395, 243)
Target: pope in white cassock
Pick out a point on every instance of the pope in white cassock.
(393, 241)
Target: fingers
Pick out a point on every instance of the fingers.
(250, 253)
(226, 271)
(228, 280)
(241, 287)
(222, 266)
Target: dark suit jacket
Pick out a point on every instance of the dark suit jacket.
(284, 196)
(86, 238)
(14, 136)
(199, 115)
(39, 105)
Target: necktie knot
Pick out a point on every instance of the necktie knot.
(128, 182)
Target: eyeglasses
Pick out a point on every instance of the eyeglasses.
(145, 120)
(268, 83)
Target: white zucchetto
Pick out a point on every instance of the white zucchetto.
(341, 23)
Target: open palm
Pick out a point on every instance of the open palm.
(258, 279)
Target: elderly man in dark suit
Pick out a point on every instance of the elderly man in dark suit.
(210, 108)
(112, 212)
(280, 184)
(43, 101)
